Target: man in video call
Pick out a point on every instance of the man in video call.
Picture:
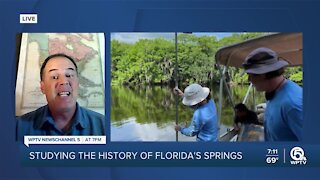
(283, 116)
(62, 115)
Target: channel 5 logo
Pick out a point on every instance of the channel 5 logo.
(297, 156)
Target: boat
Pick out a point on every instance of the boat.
(289, 47)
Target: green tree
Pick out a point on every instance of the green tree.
(152, 61)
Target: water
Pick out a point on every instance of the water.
(149, 113)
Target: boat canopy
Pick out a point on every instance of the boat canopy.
(287, 45)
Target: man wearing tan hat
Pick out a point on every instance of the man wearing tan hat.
(283, 116)
(204, 123)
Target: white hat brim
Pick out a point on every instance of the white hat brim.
(199, 98)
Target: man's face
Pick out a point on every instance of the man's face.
(60, 84)
(259, 81)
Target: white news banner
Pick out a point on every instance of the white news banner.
(28, 18)
(64, 140)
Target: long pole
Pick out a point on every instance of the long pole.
(247, 94)
(176, 84)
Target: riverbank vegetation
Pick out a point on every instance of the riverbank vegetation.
(152, 61)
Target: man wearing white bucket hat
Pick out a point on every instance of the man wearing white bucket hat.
(204, 123)
(283, 115)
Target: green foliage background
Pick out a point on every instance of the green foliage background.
(152, 61)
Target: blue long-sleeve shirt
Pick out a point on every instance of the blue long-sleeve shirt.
(204, 123)
(40, 122)
(283, 116)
